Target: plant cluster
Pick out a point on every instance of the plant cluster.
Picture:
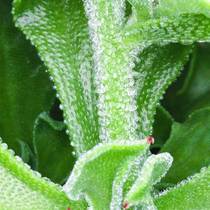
(89, 129)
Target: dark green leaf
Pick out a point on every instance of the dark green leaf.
(161, 127)
(189, 145)
(25, 89)
(53, 151)
(193, 91)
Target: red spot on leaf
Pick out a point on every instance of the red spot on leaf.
(150, 140)
(69, 208)
(125, 205)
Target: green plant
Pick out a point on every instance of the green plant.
(111, 62)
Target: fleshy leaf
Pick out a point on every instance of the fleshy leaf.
(23, 189)
(99, 174)
(142, 10)
(51, 145)
(154, 168)
(113, 69)
(171, 8)
(189, 144)
(158, 67)
(21, 71)
(173, 22)
(190, 194)
(59, 31)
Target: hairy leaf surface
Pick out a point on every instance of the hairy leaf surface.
(99, 175)
(191, 194)
(157, 68)
(59, 31)
(23, 189)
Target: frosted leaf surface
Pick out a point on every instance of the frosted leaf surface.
(154, 168)
(100, 174)
(171, 8)
(192, 193)
(23, 189)
(157, 68)
(113, 73)
(172, 22)
(59, 31)
(162, 58)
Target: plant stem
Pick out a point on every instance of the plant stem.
(113, 76)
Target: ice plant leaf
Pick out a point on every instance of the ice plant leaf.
(154, 168)
(99, 174)
(190, 194)
(183, 24)
(170, 8)
(59, 31)
(21, 71)
(24, 189)
(189, 144)
(114, 76)
(157, 68)
(51, 145)
(141, 10)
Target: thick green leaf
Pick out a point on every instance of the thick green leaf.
(24, 189)
(114, 77)
(25, 89)
(171, 8)
(189, 144)
(192, 194)
(142, 10)
(59, 31)
(53, 152)
(194, 89)
(99, 174)
(172, 21)
(154, 168)
(157, 68)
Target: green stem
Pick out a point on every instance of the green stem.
(114, 77)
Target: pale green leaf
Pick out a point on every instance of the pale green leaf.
(182, 21)
(154, 168)
(24, 189)
(171, 8)
(190, 194)
(113, 69)
(99, 174)
(158, 67)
